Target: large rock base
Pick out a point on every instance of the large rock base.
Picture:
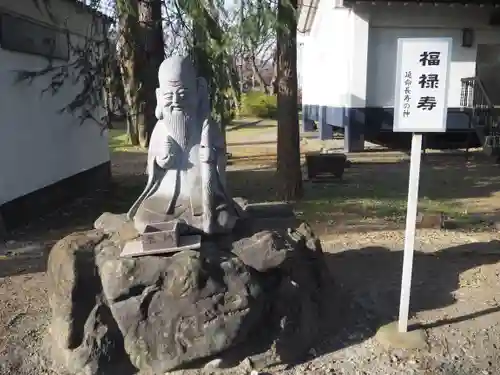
(156, 313)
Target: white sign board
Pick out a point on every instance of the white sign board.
(421, 94)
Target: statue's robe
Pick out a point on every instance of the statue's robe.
(219, 211)
(189, 188)
(174, 192)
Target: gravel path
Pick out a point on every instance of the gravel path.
(455, 283)
(454, 295)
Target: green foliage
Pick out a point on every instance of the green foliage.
(209, 30)
(259, 104)
(257, 24)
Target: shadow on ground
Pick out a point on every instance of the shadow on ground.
(371, 276)
(245, 124)
(251, 143)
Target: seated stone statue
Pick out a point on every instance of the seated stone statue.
(186, 157)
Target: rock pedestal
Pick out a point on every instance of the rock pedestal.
(155, 313)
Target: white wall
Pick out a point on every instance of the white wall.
(327, 68)
(388, 23)
(62, 12)
(324, 74)
(358, 64)
(382, 63)
(39, 146)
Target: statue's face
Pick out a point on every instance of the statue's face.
(177, 98)
(181, 92)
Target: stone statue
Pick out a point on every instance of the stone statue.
(186, 158)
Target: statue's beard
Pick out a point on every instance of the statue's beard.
(179, 123)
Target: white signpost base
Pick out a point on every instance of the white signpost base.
(411, 221)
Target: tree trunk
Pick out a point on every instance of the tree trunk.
(256, 73)
(152, 53)
(127, 56)
(274, 80)
(289, 169)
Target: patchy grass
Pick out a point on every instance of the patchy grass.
(333, 203)
(118, 141)
(251, 131)
(374, 188)
(241, 131)
(371, 196)
(460, 190)
(252, 123)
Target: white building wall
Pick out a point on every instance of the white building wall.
(61, 12)
(388, 23)
(334, 56)
(358, 64)
(38, 145)
(382, 63)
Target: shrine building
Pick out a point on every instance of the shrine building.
(347, 64)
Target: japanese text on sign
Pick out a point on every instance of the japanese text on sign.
(421, 85)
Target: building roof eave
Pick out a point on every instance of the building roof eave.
(307, 14)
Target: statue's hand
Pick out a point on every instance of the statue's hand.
(165, 161)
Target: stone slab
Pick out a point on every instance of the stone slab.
(136, 248)
(160, 236)
(160, 240)
(164, 226)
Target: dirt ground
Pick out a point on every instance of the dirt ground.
(361, 223)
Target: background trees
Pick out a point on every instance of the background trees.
(234, 46)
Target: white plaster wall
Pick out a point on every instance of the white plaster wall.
(39, 146)
(61, 13)
(359, 33)
(382, 63)
(326, 61)
(388, 23)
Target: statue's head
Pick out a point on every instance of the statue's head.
(180, 90)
